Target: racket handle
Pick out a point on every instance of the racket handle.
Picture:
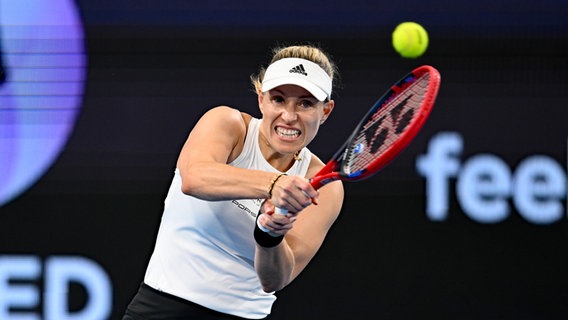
(277, 210)
(265, 230)
(261, 227)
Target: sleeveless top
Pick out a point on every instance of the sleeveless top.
(204, 250)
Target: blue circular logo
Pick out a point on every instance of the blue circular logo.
(42, 75)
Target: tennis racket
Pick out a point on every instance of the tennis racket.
(387, 128)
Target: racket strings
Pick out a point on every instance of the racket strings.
(386, 125)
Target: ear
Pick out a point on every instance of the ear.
(260, 99)
(327, 108)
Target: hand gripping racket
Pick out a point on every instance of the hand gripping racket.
(387, 128)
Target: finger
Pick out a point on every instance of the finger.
(282, 222)
(305, 200)
(290, 202)
(274, 222)
(312, 200)
(308, 189)
(295, 199)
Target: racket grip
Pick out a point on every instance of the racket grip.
(264, 229)
(261, 227)
(276, 210)
(280, 210)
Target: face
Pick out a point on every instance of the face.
(291, 117)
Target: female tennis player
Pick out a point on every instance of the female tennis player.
(211, 258)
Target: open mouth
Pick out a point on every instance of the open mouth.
(287, 133)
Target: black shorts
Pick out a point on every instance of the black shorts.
(149, 303)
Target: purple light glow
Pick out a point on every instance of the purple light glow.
(43, 57)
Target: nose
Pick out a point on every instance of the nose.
(289, 113)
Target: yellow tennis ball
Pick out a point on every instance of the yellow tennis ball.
(410, 39)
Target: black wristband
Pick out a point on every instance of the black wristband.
(264, 239)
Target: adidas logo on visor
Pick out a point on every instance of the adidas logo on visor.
(299, 69)
(300, 72)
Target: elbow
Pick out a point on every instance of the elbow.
(190, 186)
(191, 181)
(273, 283)
(271, 287)
(268, 289)
(193, 186)
(187, 188)
(194, 190)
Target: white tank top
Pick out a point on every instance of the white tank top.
(204, 250)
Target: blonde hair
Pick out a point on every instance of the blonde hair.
(308, 52)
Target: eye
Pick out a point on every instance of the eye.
(306, 104)
(277, 99)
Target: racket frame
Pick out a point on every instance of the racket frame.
(328, 173)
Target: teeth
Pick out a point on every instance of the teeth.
(287, 132)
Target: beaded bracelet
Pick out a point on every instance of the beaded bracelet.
(273, 182)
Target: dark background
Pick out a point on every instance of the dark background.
(156, 66)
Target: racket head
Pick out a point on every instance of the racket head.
(390, 125)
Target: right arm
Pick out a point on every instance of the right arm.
(216, 140)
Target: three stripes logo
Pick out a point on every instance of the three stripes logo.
(299, 69)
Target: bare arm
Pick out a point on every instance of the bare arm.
(217, 139)
(304, 233)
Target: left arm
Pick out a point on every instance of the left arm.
(304, 233)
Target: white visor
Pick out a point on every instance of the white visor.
(301, 72)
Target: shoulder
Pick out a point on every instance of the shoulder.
(228, 122)
(224, 113)
(226, 118)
